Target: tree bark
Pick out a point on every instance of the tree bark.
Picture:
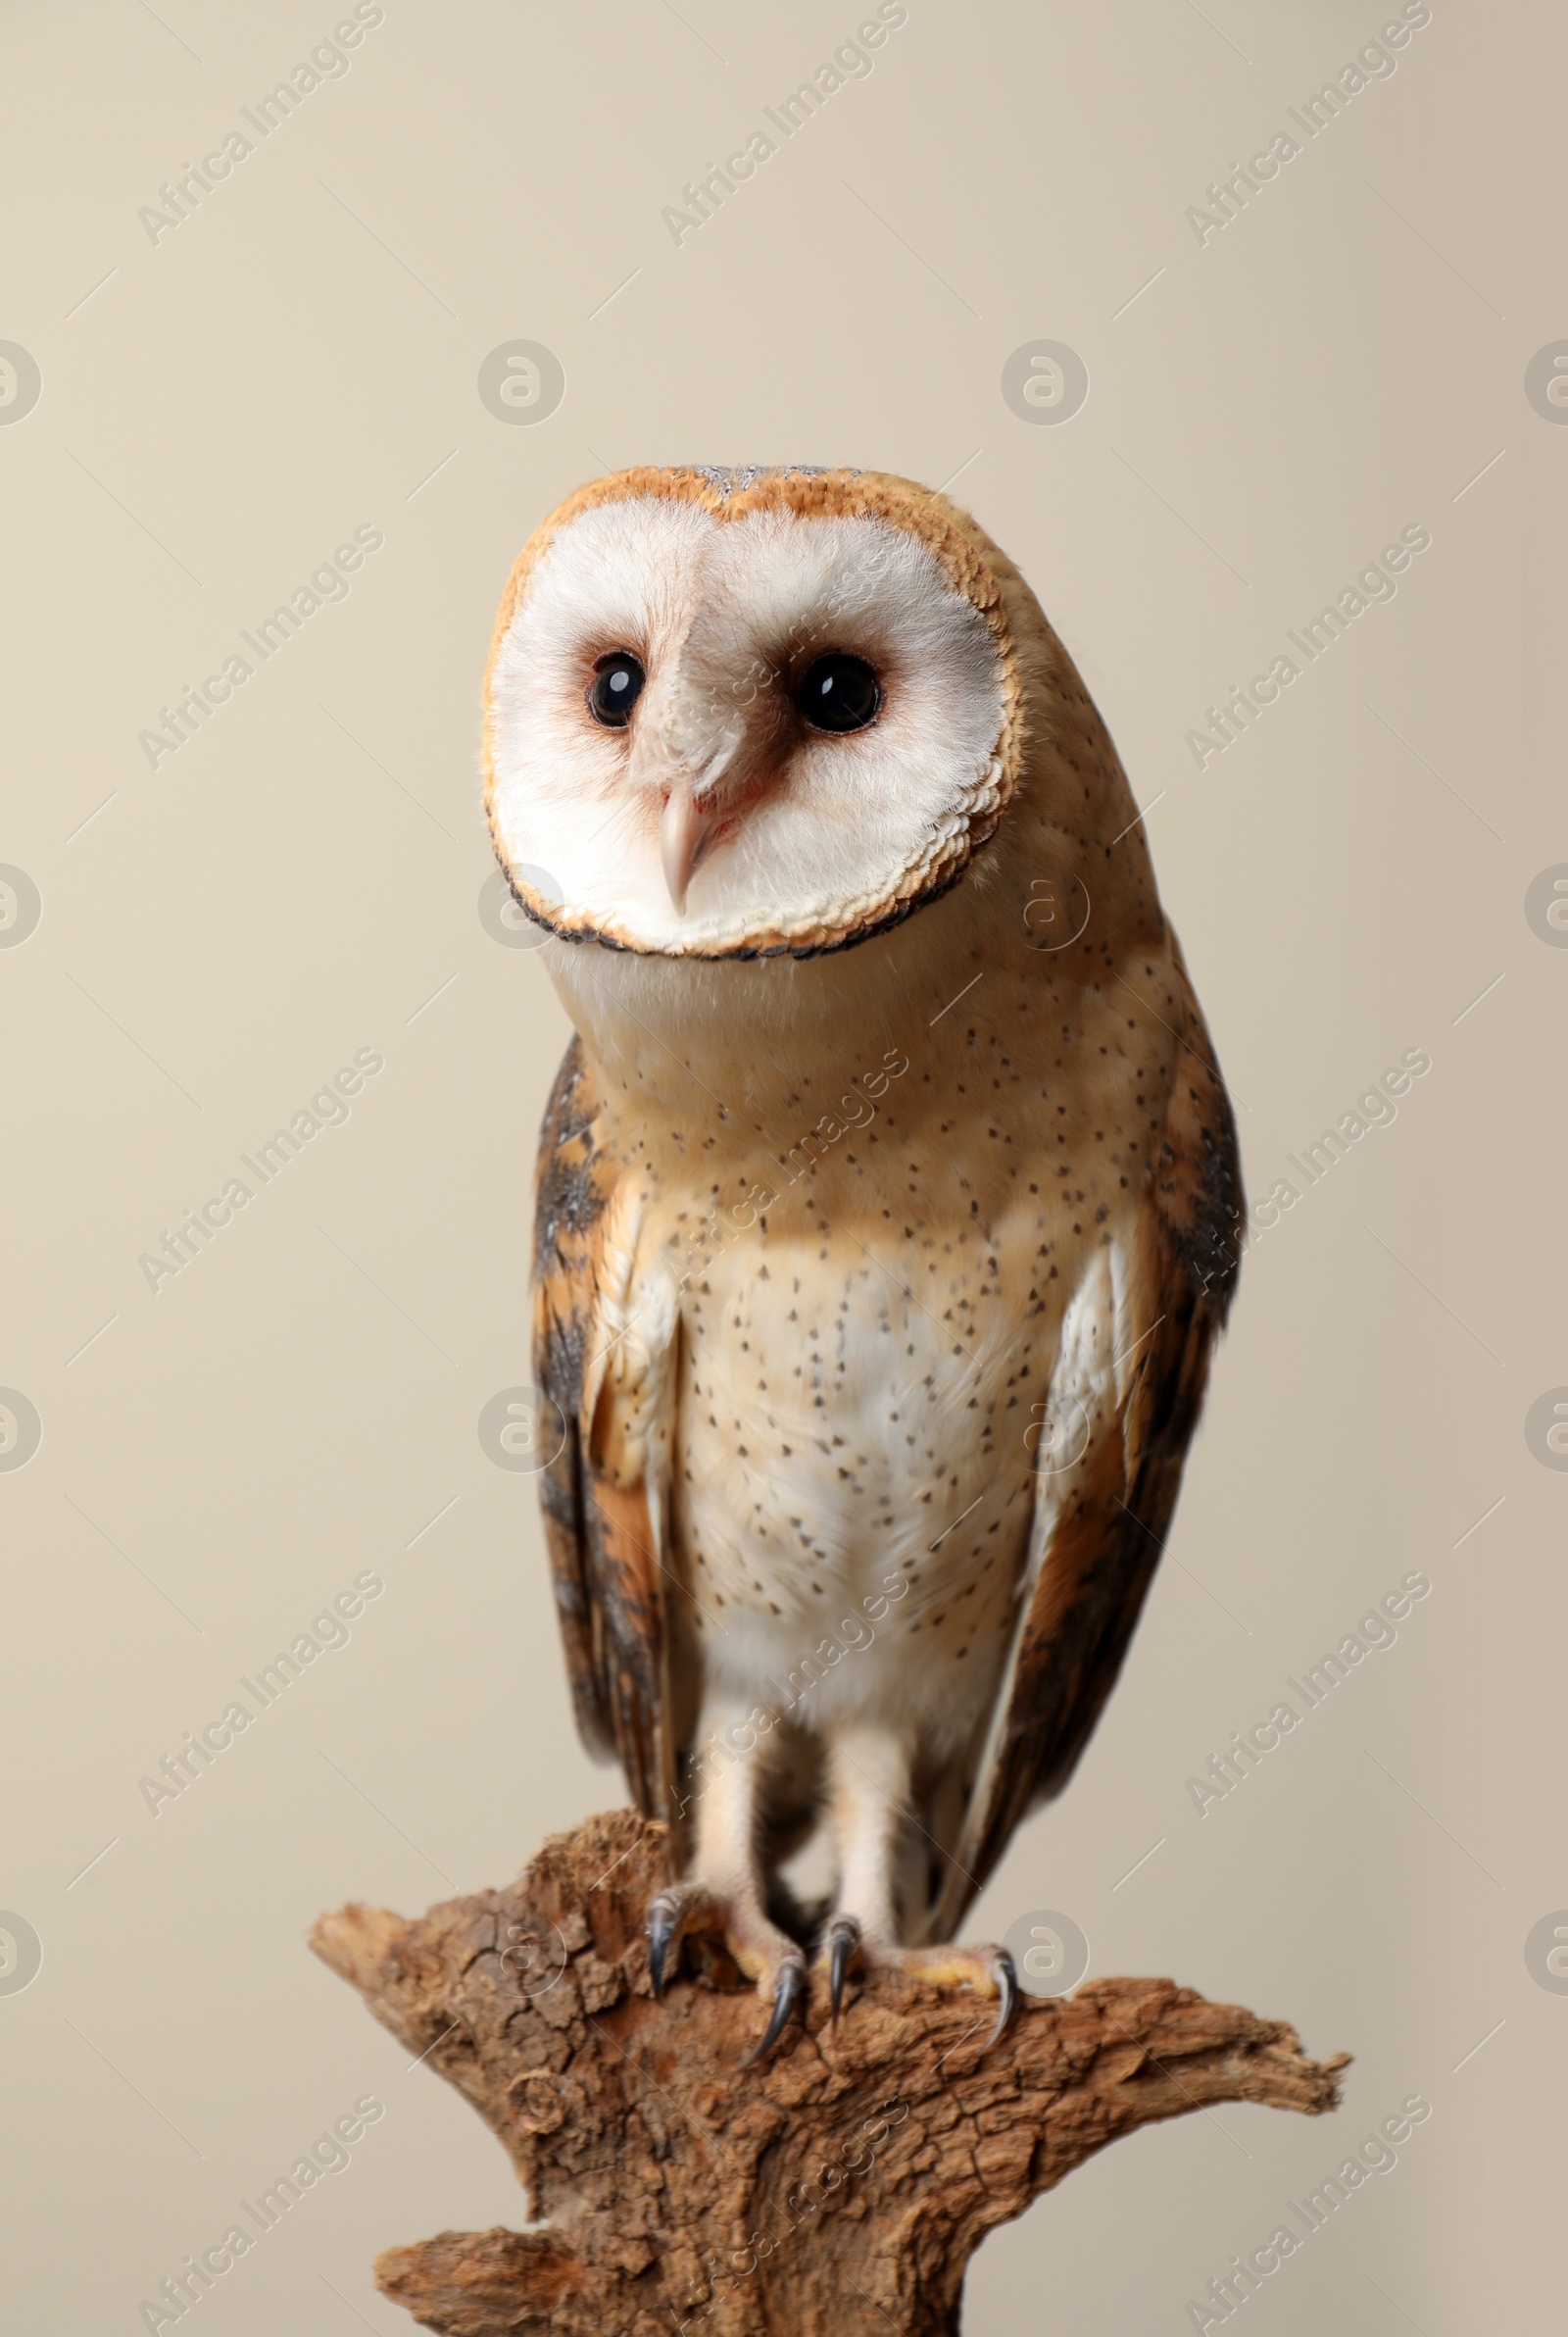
(841, 2187)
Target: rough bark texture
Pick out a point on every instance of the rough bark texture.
(841, 2187)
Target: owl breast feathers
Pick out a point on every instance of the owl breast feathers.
(888, 1201)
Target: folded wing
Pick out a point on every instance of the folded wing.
(610, 1372)
(1124, 1404)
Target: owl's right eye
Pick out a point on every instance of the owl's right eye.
(616, 689)
(839, 693)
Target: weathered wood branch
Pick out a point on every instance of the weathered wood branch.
(841, 2187)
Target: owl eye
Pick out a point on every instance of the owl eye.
(839, 693)
(615, 687)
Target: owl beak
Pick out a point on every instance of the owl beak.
(683, 830)
(685, 827)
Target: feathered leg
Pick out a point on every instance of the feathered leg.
(869, 1813)
(727, 1891)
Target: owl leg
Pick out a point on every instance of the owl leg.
(725, 1891)
(869, 1814)
(868, 1791)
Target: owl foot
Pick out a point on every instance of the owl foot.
(762, 1952)
(988, 1971)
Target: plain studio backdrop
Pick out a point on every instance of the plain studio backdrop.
(203, 396)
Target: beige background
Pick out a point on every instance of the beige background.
(300, 881)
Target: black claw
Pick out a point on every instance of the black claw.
(1007, 1989)
(843, 1937)
(786, 1996)
(662, 1920)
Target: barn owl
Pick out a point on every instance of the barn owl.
(888, 1195)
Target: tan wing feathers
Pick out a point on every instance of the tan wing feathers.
(1095, 1575)
(600, 1534)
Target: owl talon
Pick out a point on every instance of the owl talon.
(788, 1990)
(844, 1941)
(663, 1919)
(1006, 1975)
(667, 1921)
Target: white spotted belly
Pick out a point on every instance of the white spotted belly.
(853, 1486)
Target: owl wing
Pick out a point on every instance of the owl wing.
(608, 1371)
(1133, 1366)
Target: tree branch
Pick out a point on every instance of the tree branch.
(842, 2187)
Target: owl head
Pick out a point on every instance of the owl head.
(732, 713)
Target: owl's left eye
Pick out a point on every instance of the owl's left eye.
(616, 689)
(839, 693)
